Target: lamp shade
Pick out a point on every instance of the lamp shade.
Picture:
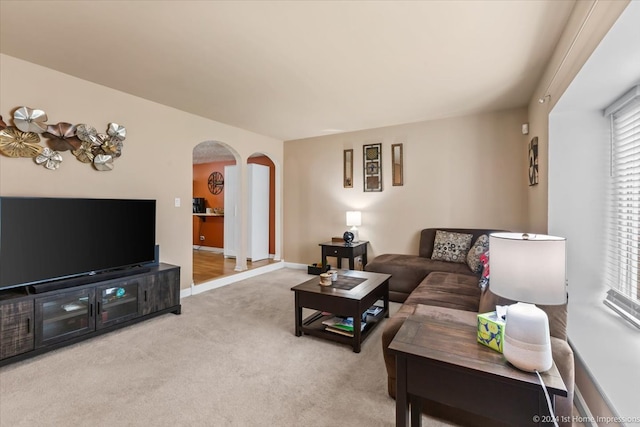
(528, 268)
(354, 218)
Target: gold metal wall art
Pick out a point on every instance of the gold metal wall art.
(84, 142)
(372, 162)
(84, 153)
(16, 143)
(347, 175)
(396, 165)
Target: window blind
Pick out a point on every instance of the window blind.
(622, 266)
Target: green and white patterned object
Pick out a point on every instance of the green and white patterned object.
(491, 331)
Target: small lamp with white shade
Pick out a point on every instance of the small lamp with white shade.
(529, 269)
(354, 220)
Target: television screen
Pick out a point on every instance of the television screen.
(44, 239)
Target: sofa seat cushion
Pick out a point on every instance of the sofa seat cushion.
(450, 290)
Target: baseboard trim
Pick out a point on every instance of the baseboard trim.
(208, 249)
(588, 397)
(584, 414)
(295, 265)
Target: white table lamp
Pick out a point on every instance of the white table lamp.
(354, 219)
(530, 269)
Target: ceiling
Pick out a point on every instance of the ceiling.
(297, 69)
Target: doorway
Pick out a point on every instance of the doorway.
(209, 161)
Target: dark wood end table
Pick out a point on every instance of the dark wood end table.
(344, 298)
(340, 250)
(439, 359)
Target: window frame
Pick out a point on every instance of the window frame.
(622, 266)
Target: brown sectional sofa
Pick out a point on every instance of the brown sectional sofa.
(455, 287)
(407, 271)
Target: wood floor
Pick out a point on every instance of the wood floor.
(209, 265)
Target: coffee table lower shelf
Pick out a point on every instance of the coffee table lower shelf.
(312, 325)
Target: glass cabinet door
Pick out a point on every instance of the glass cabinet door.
(117, 303)
(63, 316)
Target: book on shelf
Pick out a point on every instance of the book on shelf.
(339, 331)
(374, 310)
(344, 324)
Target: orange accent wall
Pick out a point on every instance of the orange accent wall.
(213, 228)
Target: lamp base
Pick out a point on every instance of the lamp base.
(527, 343)
(354, 230)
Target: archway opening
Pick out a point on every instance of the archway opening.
(209, 161)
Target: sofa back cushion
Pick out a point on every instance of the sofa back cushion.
(428, 235)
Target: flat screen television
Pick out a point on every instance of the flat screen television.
(49, 239)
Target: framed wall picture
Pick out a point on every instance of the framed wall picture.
(396, 165)
(372, 167)
(533, 161)
(347, 160)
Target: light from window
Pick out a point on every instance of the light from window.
(622, 272)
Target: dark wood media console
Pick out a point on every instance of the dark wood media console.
(32, 324)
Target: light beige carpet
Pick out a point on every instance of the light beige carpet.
(230, 359)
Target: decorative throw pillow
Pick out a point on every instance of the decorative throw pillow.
(473, 257)
(484, 277)
(450, 246)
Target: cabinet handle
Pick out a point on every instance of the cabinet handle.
(90, 310)
(145, 296)
(28, 325)
(98, 310)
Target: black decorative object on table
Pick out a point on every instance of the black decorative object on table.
(348, 238)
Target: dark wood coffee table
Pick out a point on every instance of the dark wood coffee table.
(438, 358)
(351, 295)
